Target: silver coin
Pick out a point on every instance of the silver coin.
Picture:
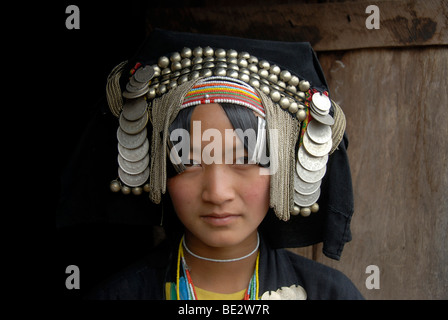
(136, 154)
(144, 74)
(131, 141)
(133, 127)
(321, 102)
(136, 88)
(327, 119)
(133, 95)
(134, 109)
(317, 111)
(304, 187)
(133, 167)
(315, 149)
(310, 176)
(310, 162)
(306, 200)
(318, 132)
(133, 180)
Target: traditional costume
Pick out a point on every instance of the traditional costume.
(311, 197)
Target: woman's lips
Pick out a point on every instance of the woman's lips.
(220, 219)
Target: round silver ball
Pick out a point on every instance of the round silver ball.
(137, 191)
(285, 75)
(115, 186)
(301, 115)
(275, 96)
(186, 53)
(197, 52)
(175, 57)
(284, 103)
(304, 85)
(295, 211)
(305, 212)
(163, 62)
(208, 52)
(125, 189)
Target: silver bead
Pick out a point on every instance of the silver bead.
(175, 57)
(197, 67)
(314, 207)
(208, 65)
(281, 84)
(232, 60)
(205, 73)
(291, 89)
(294, 81)
(151, 93)
(137, 191)
(264, 64)
(243, 77)
(304, 85)
(232, 53)
(252, 59)
(194, 75)
(221, 65)
(115, 186)
(185, 63)
(242, 62)
(254, 83)
(186, 53)
(263, 73)
(275, 96)
(273, 78)
(166, 71)
(301, 115)
(197, 52)
(185, 70)
(295, 211)
(220, 72)
(176, 66)
(197, 60)
(265, 89)
(220, 53)
(293, 108)
(232, 74)
(182, 79)
(156, 70)
(125, 189)
(301, 95)
(245, 70)
(284, 103)
(146, 187)
(172, 85)
(207, 52)
(252, 68)
(243, 55)
(161, 89)
(285, 75)
(163, 62)
(305, 212)
(208, 59)
(233, 66)
(275, 70)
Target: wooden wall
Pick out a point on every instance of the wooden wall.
(392, 85)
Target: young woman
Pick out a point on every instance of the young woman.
(246, 156)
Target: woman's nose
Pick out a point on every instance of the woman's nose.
(218, 186)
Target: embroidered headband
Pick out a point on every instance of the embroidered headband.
(224, 90)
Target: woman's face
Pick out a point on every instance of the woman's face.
(219, 203)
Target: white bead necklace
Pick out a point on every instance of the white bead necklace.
(222, 260)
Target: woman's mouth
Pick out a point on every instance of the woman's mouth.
(219, 220)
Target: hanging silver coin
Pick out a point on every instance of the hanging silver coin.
(327, 119)
(310, 176)
(133, 127)
(315, 149)
(136, 154)
(310, 162)
(133, 167)
(134, 109)
(306, 200)
(144, 74)
(304, 187)
(131, 141)
(133, 180)
(318, 132)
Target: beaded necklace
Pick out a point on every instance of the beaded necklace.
(185, 288)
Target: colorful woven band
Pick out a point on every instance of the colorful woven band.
(224, 90)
